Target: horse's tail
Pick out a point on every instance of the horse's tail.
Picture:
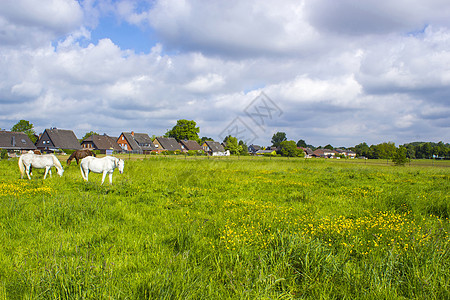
(69, 160)
(21, 167)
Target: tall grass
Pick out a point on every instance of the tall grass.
(227, 229)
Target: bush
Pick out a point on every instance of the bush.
(400, 158)
(4, 154)
(68, 151)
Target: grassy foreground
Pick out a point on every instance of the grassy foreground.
(248, 228)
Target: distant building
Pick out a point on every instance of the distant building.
(189, 145)
(103, 143)
(54, 139)
(136, 142)
(167, 144)
(15, 141)
(210, 147)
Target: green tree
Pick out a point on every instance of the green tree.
(25, 127)
(88, 134)
(289, 149)
(185, 130)
(399, 158)
(205, 138)
(244, 147)
(302, 143)
(232, 145)
(277, 138)
(362, 149)
(329, 147)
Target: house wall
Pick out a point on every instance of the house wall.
(123, 143)
(87, 145)
(158, 146)
(45, 142)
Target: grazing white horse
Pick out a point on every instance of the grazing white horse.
(105, 165)
(30, 160)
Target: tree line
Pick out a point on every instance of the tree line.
(188, 130)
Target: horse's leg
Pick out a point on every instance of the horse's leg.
(50, 171)
(83, 174)
(28, 171)
(76, 158)
(110, 177)
(46, 171)
(103, 176)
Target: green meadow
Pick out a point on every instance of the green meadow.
(227, 228)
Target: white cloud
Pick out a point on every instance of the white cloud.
(336, 82)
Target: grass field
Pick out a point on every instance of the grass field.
(227, 228)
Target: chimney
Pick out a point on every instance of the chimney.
(13, 141)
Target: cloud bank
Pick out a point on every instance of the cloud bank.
(342, 72)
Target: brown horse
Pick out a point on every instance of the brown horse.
(79, 154)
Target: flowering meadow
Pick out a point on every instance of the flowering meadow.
(227, 228)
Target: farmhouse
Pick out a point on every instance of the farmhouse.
(254, 148)
(132, 142)
(101, 142)
(167, 144)
(308, 152)
(15, 141)
(324, 153)
(211, 147)
(54, 139)
(346, 153)
(189, 145)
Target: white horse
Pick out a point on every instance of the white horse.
(105, 165)
(30, 160)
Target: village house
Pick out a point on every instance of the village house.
(55, 139)
(252, 149)
(103, 143)
(346, 153)
(211, 147)
(132, 142)
(15, 141)
(189, 145)
(167, 144)
(308, 152)
(324, 153)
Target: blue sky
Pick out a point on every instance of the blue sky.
(341, 72)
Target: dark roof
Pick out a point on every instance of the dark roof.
(144, 141)
(131, 141)
(139, 141)
(308, 151)
(15, 141)
(63, 139)
(169, 144)
(103, 142)
(191, 145)
(215, 146)
(254, 148)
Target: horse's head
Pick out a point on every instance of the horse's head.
(60, 171)
(120, 165)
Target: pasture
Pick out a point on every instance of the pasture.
(227, 228)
